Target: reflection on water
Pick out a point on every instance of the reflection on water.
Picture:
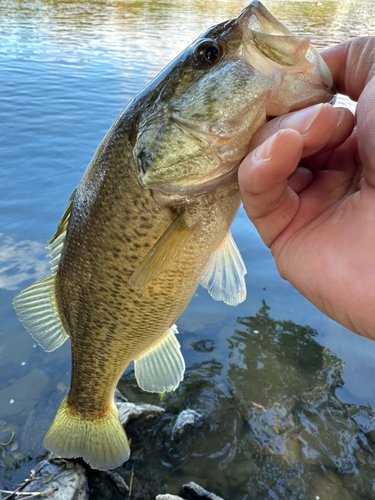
(311, 441)
(67, 68)
(275, 429)
(21, 261)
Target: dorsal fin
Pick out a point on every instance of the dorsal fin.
(37, 309)
(36, 305)
(56, 243)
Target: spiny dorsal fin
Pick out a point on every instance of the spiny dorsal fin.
(37, 309)
(56, 243)
(224, 274)
(161, 368)
(165, 250)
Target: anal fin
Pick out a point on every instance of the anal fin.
(224, 273)
(37, 309)
(161, 368)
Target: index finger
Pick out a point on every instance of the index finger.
(352, 64)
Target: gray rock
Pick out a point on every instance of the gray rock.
(119, 482)
(127, 411)
(168, 497)
(196, 492)
(185, 420)
(119, 397)
(61, 480)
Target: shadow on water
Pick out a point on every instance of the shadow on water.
(276, 431)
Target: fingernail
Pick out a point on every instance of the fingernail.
(302, 120)
(340, 116)
(263, 152)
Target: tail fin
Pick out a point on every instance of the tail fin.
(102, 443)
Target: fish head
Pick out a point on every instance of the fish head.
(204, 108)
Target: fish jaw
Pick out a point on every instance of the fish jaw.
(312, 83)
(256, 17)
(300, 76)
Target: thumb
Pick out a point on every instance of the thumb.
(365, 127)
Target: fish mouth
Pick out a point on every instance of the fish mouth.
(274, 50)
(256, 16)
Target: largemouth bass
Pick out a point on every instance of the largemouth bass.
(151, 219)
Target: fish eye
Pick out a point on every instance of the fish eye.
(208, 52)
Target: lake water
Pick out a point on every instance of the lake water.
(66, 70)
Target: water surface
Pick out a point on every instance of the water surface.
(66, 71)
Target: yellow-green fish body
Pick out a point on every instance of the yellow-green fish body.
(150, 221)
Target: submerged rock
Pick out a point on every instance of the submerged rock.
(60, 480)
(119, 397)
(195, 492)
(127, 411)
(191, 491)
(168, 497)
(118, 481)
(185, 420)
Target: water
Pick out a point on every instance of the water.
(67, 69)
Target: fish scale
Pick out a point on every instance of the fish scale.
(146, 314)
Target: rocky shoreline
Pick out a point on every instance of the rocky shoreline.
(60, 479)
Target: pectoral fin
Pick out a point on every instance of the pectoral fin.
(224, 274)
(165, 250)
(161, 368)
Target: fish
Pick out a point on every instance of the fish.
(150, 221)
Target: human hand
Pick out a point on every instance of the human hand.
(309, 189)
